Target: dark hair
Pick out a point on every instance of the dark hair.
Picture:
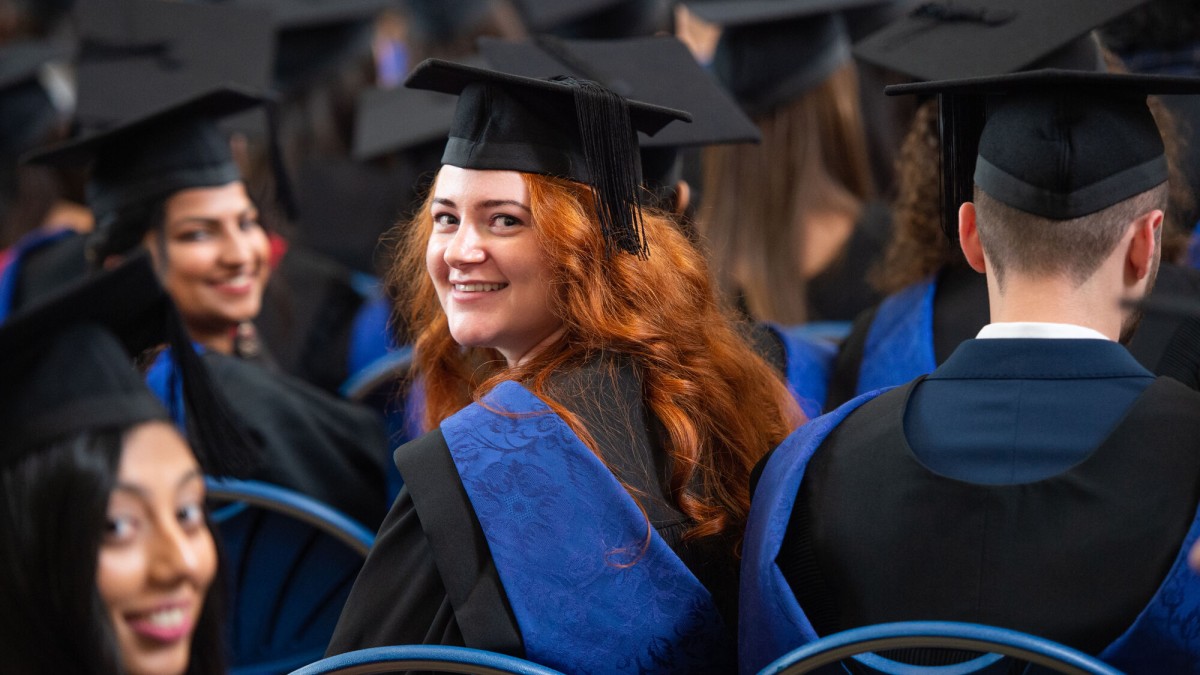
(51, 528)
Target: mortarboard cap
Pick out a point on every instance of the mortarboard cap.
(957, 39)
(150, 158)
(675, 80)
(137, 56)
(28, 108)
(68, 367)
(595, 19)
(389, 120)
(1064, 143)
(772, 51)
(315, 36)
(574, 129)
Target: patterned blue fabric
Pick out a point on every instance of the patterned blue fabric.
(1165, 638)
(593, 587)
(770, 621)
(12, 272)
(809, 366)
(899, 346)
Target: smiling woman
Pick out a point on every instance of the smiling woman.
(107, 563)
(592, 413)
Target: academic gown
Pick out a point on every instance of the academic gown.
(916, 329)
(433, 578)
(1057, 513)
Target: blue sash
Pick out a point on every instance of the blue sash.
(770, 621)
(1165, 637)
(809, 365)
(593, 587)
(24, 246)
(899, 346)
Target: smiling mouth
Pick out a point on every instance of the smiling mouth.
(165, 625)
(478, 288)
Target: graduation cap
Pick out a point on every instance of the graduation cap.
(28, 109)
(956, 39)
(137, 56)
(980, 38)
(68, 368)
(314, 36)
(150, 158)
(595, 19)
(390, 120)
(674, 81)
(1064, 143)
(570, 128)
(772, 51)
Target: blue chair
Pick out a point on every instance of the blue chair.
(997, 647)
(290, 563)
(435, 658)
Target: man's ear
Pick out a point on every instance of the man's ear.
(968, 237)
(683, 197)
(1143, 245)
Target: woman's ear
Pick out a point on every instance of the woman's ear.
(968, 238)
(683, 197)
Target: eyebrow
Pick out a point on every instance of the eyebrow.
(208, 220)
(142, 493)
(487, 204)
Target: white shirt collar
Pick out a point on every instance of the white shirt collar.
(1037, 329)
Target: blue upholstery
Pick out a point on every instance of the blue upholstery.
(993, 642)
(378, 386)
(290, 562)
(435, 658)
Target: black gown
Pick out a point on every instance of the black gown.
(430, 578)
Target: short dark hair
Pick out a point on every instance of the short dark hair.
(1016, 240)
(52, 515)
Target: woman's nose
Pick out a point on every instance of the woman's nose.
(237, 248)
(177, 554)
(466, 247)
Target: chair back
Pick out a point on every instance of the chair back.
(430, 658)
(997, 649)
(290, 563)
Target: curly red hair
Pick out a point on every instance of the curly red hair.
(721, 405)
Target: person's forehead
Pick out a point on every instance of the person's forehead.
(471, 187)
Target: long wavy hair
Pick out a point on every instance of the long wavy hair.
(760, 199)
(720, 405)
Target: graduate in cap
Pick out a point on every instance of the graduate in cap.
(935, 301)
(791, 222)
(583, 513)
(107, 563)
(1040, 479)
(167, 183)
(675, 81)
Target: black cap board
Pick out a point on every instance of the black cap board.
(315, 36)
(595, 19)
(68, 367)
(28, 109)
(657, 70)
(389, 120)
(137, 56)
(574, 129)
(772, 51)
(950, 40)
(150, 158)
(1064, 143)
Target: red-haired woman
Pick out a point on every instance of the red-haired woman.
(593, 413)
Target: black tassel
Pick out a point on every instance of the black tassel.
(610, 149)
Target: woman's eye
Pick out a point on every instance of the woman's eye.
(119, 528)
(506, 221)
(192, 235)
(190, 515)
(445, 220)
(249, 224)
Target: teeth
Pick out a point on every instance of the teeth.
(475, 288)
(167, 618)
